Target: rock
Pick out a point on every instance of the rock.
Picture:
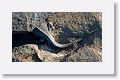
(46, 55)
(31, 53)
(72, 25)
(69, 26)
(24, 53)
(25, 21)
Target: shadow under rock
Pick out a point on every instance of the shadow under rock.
(36, 58)
(20, 38)
(23, 37)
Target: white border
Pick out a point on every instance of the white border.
(104, 6)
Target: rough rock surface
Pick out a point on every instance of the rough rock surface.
(24, 21)
(69, 26)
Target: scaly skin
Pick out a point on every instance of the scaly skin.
(43, 31)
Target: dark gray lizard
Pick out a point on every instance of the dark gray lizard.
(43, 32)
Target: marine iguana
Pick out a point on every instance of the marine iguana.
(44, 32)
